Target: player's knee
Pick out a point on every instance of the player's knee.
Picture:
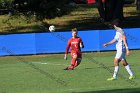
(74, 56)
(124, 62)
(116, 62)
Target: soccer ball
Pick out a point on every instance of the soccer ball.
(52, 28)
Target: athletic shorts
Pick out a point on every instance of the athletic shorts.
(120, 55)
(78, 54)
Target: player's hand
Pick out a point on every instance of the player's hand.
(127, 52)
(65, 57)
(105, 45)
(81, 45)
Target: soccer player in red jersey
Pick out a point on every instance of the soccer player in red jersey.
(74, 44)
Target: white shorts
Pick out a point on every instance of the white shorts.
(121, 55)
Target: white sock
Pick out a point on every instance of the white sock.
(116, 70)
(129, 70)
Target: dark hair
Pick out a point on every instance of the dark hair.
(116, 22)
(74, 30)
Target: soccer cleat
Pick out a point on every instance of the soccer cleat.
(68, 68)
(111, 79)
(131, 77)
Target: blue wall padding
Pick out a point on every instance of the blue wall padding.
(51, 42)
(90, 39)
(55, 42)
(17, 44)
(133, 36)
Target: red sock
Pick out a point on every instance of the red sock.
(73, 62)
(76, 64)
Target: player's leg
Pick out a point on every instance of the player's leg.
(73, 61)
(116, 64)
(116, 68)
(78, 60)
(127, 67)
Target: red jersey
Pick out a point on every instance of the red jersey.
(74, 45)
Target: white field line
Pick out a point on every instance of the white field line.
(48, 63)
(78, 89)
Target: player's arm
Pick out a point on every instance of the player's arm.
(111, 42)
(81, 44)
(125, 44)
(67, 49)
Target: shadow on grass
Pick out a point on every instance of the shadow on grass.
(134, 90)
(20, 29)
(95, 23)
(90, 23)
(132, 22)
(86, 24)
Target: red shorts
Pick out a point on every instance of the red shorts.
(75, 53)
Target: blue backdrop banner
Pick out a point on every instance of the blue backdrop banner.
(55, 42)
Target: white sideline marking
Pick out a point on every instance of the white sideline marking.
(77, 89)
(49, 63)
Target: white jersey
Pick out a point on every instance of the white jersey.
(120, 45)
(118, 37)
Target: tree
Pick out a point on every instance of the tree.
(138, 4)
(110, 9)
(42, 8)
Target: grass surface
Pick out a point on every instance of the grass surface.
(45, 74)
(84, 17)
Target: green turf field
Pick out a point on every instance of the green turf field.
(45, 74)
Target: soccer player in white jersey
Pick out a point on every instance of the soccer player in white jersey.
(122, 51)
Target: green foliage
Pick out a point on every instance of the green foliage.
(49, 8)
(5, 3)
(42, 8)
